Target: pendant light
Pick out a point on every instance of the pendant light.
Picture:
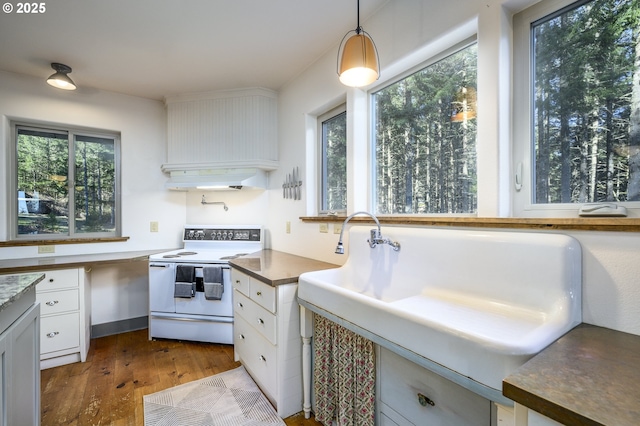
(358, 63)
(60, 79)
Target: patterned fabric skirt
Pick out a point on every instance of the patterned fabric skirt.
(344, 375)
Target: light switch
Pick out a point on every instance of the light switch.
(153, 227)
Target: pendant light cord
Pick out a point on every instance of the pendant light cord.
(358, 28)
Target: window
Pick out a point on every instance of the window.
(425, 139)
(66, 183)
(580, 115)
(333, 181)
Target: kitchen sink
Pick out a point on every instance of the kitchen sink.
(480, 303)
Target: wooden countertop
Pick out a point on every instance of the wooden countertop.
(12, 266)
(276, 267)
(590, 376)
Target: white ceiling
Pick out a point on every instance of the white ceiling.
(161, 48)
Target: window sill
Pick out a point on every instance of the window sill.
(573, 224)
(20, 243)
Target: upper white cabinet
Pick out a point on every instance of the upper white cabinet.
(231, 128)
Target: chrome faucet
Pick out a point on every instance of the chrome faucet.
(376, 235)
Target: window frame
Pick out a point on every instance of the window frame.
(523, 141)
(332, 113)
(71, 132)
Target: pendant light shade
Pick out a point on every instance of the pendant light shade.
(60, 79)
(358, 63)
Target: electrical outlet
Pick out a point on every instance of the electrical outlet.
(337, 229)
(324, 228)
(153, 227)
(46, 249)
(288, 227)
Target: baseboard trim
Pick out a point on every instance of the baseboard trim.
(117, 327)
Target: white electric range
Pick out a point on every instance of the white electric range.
(196, 315)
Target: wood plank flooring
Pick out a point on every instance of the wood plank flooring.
(108, 388)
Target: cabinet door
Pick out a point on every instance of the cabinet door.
(4, 371)
(24, 381)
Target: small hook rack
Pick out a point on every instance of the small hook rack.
(204, 201)
(292, 184)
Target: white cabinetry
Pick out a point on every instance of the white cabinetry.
(20, 363)
(65, 330)
(409, 394)
(230, 128)
(267, 339)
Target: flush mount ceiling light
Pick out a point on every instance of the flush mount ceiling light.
(60, 79)
(358, 63)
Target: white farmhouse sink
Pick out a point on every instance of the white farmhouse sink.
(480, 303)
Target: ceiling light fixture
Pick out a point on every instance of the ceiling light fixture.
(60, 79)
(358, 63)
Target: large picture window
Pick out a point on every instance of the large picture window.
(425, 139)
(577, 105)
(586, 107)
(66, 183)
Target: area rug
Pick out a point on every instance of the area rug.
(226, 399)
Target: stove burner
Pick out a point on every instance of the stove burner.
(168, 256)
(187, 253)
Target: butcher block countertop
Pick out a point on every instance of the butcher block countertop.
(590, 376)
(276, 267)
(31, 264)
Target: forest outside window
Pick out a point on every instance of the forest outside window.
(425, 139)
(66, 184)
(584, 103)
(333, 158)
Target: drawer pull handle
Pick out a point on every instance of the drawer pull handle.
(240, 305)
(52, 334)
(424, 401)
(262, 358)
(50, 280)
(259, 293)
(241, 336)
(52, 302)
(237, 281)
(260, 321)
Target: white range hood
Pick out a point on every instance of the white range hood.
(216, 179)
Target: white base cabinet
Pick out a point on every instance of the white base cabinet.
(409, 394)
(65, 329)
(20, 365)
(267, 339)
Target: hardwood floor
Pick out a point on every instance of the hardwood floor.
(108, 388)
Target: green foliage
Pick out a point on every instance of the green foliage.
(583, 102)
(426, 158)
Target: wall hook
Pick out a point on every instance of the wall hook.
(204, 201)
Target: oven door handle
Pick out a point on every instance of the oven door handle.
(164, 265)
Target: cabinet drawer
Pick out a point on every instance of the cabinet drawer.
(401, 381)
(53, 280)
(263, 294)
(240, 281)
(59, 332)
(258, 356)
(258, 317)
(54, 302)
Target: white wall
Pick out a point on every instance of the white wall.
(403, 30)
(142, 124)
